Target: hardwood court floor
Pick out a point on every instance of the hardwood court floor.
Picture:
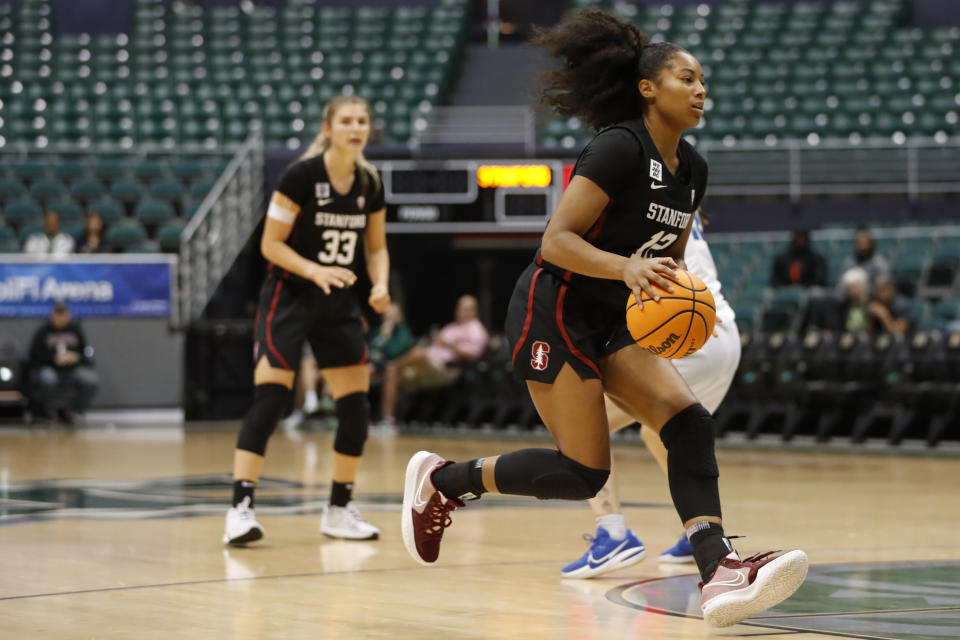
(126, 544)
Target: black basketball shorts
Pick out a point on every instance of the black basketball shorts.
(291, 313)
(548, 325)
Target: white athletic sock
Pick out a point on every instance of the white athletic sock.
(615, 525)
(310, 400)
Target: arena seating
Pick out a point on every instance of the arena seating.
(186, 75)
(145, 200)
(772, 70)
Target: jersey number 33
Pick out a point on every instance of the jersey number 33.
(339, 247)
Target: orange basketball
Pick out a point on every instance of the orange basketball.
(680, 323)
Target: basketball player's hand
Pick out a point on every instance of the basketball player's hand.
(379, 298)
(641, 274)
(326, 277)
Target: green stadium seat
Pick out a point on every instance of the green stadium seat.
(68, 210)
(21, 211)
(167, 189)
(109, 208)
(200, 188)
(70, 168)
(168, 235)
(47, 189)
(126, 190)
(154, 212)
(30, 169)
(150, 168)
(74, 229)
(9, 245)
(11, 189)
(124, 233)
(87, 189)
(111, 168)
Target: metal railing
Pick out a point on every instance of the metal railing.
(220, 227)
(797, 169)
(476, 125)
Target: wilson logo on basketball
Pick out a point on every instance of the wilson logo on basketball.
(666, 344)
(540, 358)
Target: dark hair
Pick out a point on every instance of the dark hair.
(604, 58)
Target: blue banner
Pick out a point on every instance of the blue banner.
(90, 288)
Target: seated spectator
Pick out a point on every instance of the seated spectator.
(50, 241)
(854, 312)
(846, 310)
(390, 340)
(462, 340)
(93, 235)
(890, 313)
(866, 257)
(799, 264)
(60, 362)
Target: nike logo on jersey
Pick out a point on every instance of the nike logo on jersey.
(654, 185)
(595, 562)
(323, 201)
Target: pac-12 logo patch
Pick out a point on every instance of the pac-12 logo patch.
(539, 350)
(656, 170)
(323, 189)
(360, 202)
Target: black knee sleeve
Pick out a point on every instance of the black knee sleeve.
(269, 404)
(353, 422)
(548, 475)
(691, 463)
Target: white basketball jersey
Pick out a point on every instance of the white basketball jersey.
(700, 261)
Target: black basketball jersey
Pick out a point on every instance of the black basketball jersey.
(329, 227)
(649, 207)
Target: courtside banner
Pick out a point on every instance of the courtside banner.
(91, 288)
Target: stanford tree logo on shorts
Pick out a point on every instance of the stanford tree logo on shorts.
(540, 357)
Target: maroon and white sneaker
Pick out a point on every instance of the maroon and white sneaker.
(739, 588)
(426, 511)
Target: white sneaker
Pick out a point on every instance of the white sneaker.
(242, 526)
(346, 522)
(293, 421)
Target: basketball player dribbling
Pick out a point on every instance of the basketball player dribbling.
(622, 224)
(326, 203)
(709, 372)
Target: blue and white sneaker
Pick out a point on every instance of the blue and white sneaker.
(605, 555)
(679, 553)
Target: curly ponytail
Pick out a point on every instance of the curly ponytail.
(604, 58)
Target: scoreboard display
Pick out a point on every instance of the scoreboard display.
(443, 196)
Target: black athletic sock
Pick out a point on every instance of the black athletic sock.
(460, 480)
(243, 489)
(709, 546)
(341, 493)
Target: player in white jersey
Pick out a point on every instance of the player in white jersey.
(709, 373)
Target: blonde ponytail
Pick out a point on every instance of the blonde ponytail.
(318, 145)
(368, 172)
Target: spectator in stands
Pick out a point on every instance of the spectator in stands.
(463, 340)
(866, 257)
(888, 312)
(855, 284)
(93, 235)
(387, 342)
(61, 366)
(50, 241)
(799, 264)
